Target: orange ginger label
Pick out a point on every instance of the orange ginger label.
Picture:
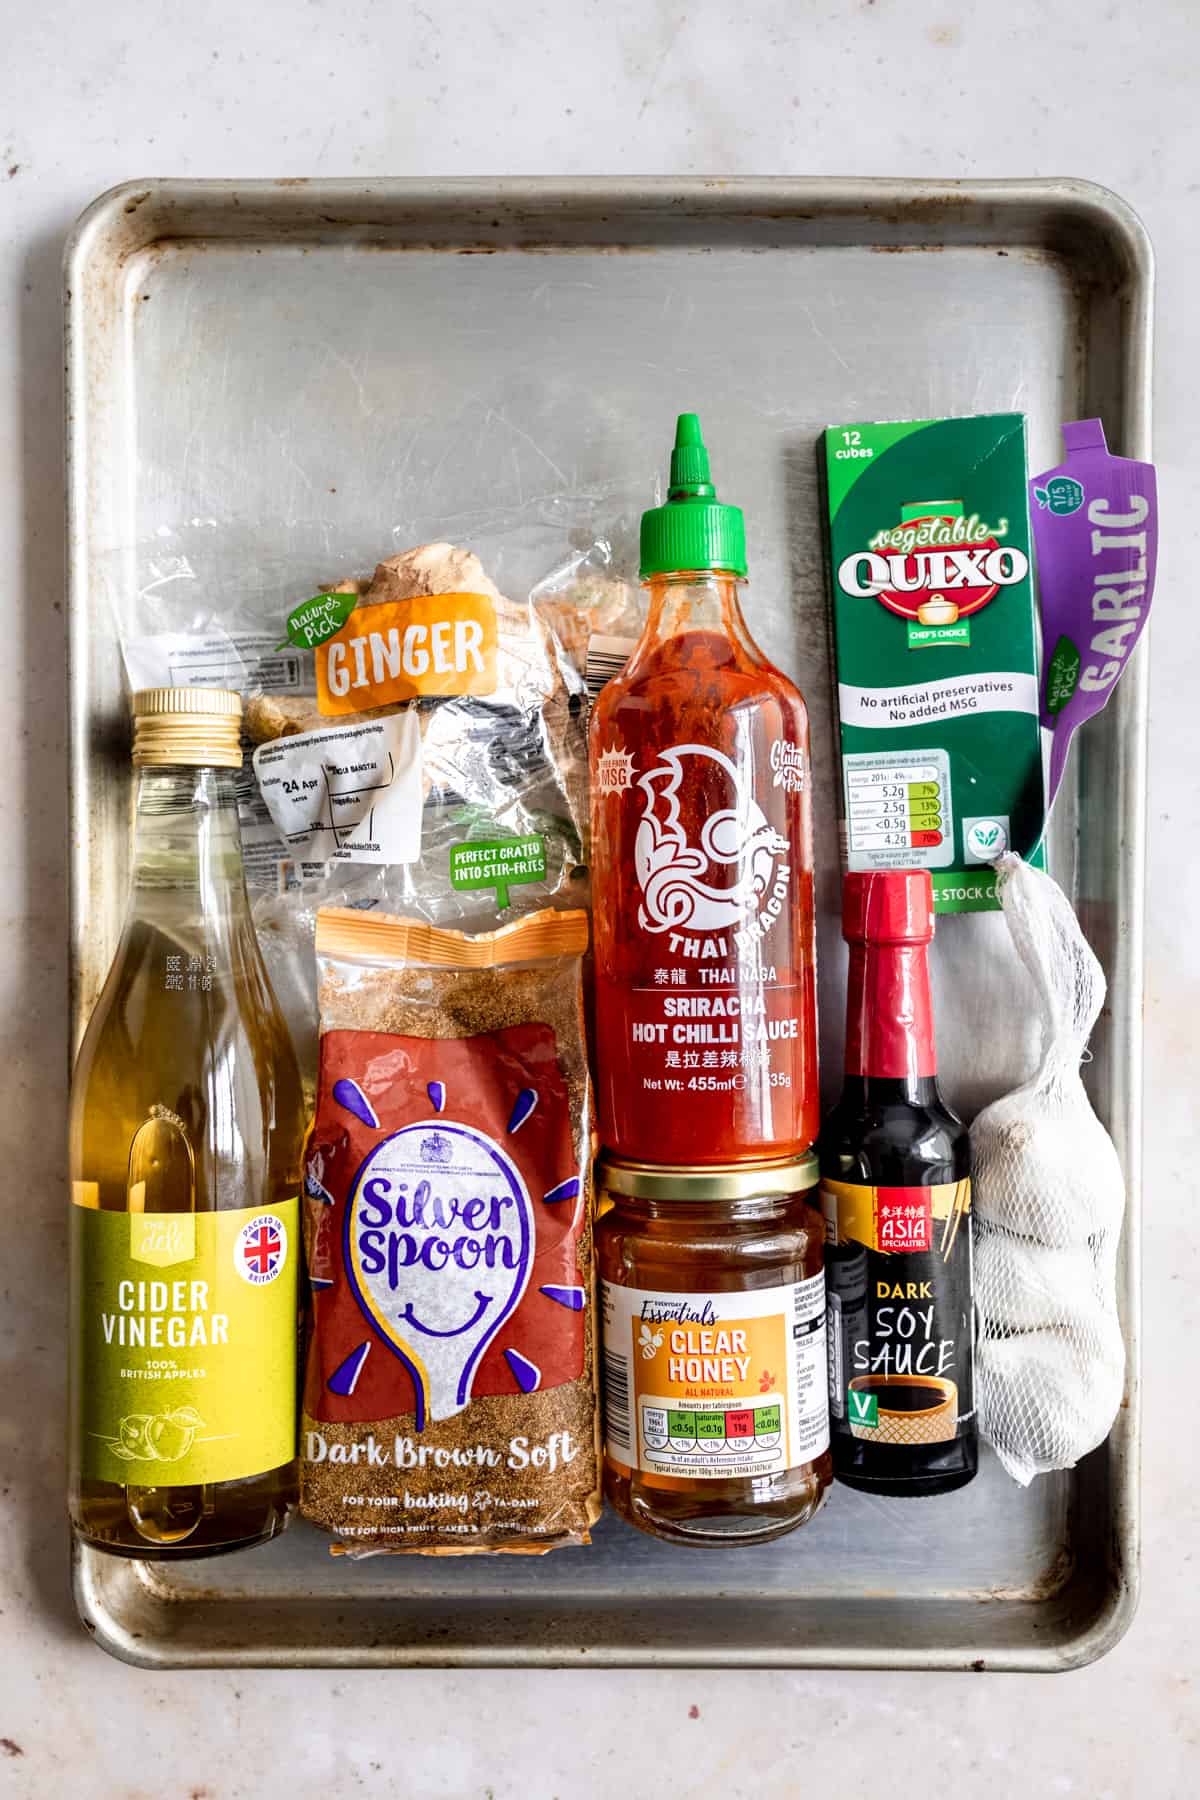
(435, 645)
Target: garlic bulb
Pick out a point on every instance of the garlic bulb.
(1049, 1197)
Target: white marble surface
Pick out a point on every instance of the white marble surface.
(90, 95)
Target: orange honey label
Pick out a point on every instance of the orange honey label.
(433, 645)
(715, 1386)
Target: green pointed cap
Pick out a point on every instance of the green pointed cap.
(693, 530)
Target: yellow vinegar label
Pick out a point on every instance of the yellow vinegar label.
(185, 1343)
(715, 1387)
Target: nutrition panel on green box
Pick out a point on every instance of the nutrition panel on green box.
(899, 801)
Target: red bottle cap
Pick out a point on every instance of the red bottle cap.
(887, 906)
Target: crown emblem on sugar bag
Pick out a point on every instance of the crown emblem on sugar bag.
(437, 1148)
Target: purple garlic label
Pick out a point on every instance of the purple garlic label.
(1095, 524)
(439, 1245)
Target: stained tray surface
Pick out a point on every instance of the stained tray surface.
(324, 371)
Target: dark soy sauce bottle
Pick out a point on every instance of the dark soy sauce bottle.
(896, 1195)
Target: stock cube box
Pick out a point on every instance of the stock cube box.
(936, 649)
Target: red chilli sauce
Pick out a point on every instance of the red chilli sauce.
(702, 862)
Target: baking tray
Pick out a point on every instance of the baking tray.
(274, 351)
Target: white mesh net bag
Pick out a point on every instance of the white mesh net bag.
(1047, 1204)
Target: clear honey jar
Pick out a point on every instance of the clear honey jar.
(715, 1379)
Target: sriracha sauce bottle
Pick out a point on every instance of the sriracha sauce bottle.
(896, 1195)
(702, 861)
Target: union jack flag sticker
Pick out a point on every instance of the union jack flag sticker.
(260, 1249)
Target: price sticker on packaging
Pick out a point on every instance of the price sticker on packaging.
(348, 794)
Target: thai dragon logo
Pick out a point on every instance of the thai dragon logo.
(679, 892)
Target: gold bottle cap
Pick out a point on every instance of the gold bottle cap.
(187, 728)
(723, 1181)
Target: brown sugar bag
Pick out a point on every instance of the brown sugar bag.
(449, 1401)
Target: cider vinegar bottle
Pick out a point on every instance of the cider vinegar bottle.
(186, 1128)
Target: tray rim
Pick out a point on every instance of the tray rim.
(133, 215)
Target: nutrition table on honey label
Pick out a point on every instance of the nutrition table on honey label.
(899, 801)
(725, 1435)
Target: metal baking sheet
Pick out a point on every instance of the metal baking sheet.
(268, 354)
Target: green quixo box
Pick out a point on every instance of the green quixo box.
(936, 649)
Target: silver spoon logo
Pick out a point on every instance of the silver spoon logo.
(439, 1245)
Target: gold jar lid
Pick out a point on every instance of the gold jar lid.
(187, 728)
(724, 1181)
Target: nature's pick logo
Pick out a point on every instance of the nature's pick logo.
(680, 881)
(1062, 495)
(936, 566)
